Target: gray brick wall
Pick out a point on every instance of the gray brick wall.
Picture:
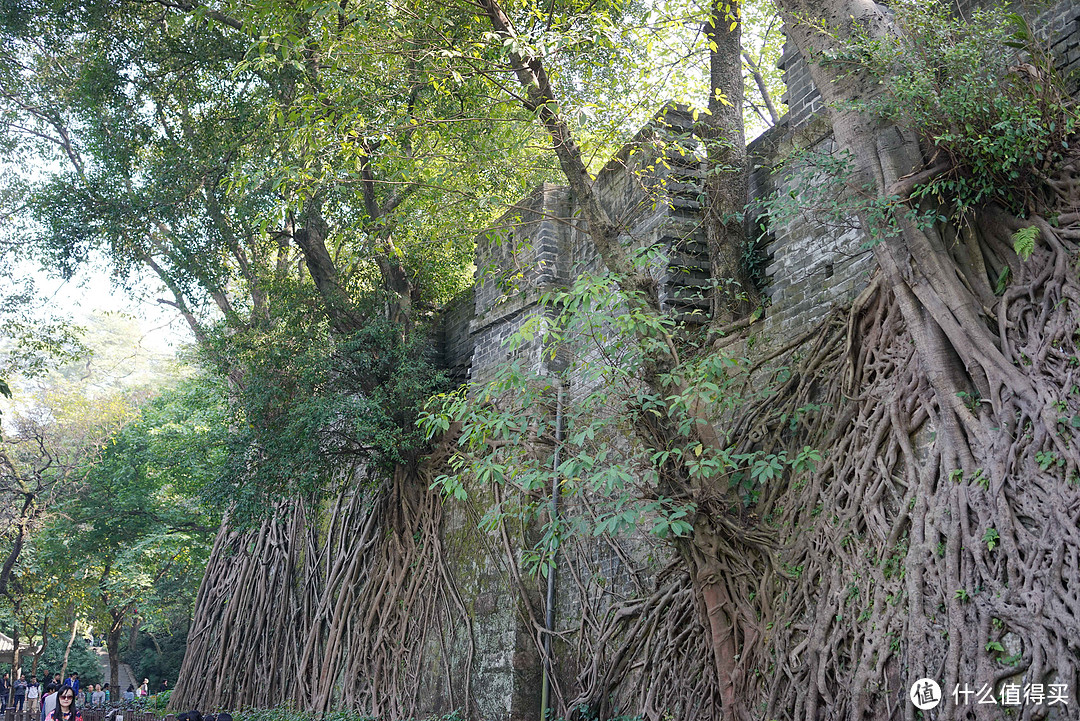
(455, 348)
(1060, 24)
(654, 194)
(811, 266)
(525, 256)
(800, 94)
(652, 189)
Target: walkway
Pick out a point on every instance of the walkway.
(127, 677)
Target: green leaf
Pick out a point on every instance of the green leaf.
(1024, 242)
(1002, 280)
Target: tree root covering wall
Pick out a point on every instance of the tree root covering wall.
(327, 606)
(939, 535)
(936, 538)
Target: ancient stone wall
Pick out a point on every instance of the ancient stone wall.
(542, 244)
(1060, 26)
(653, 189)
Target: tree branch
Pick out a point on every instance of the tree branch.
(759, 79)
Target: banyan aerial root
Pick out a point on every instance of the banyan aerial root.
(330, 605)
(940, 534)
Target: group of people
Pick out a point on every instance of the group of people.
(56, 698)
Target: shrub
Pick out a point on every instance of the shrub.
(81, 660)
(983, 95)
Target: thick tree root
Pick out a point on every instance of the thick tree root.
(939, 536)
(328, 607)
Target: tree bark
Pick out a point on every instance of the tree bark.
(726, 183)
(44, 642)
(727, 195)
(16, 656)
(71, 641)
(112, 644)
(133, 635)
(311, 239)
(26, 515)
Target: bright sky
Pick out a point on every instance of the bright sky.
(156, 334)
(164, 331)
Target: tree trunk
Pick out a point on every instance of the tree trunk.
(311, 239)
(726, 186)
(15, 654)
(44, 642)
(726, 182)
(71, 641)
(112, 643)
(26, 515)
(133, 635)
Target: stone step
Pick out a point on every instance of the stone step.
(685, 187)
(680, 261)
(692, 248)
(693, 297)
(692, 318)
(682, 202)
(682, 162)
(690, 280)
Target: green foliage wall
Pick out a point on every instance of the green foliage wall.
(81, 660)
(147, 661)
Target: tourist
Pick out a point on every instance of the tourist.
(108, 693)
(75, 683)
(144, 689)
(49, 702)
(163, 687)
(33, 695)
(98, 697)
(65, 706)
(5, 689)
(19, 692)
(129, 695)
